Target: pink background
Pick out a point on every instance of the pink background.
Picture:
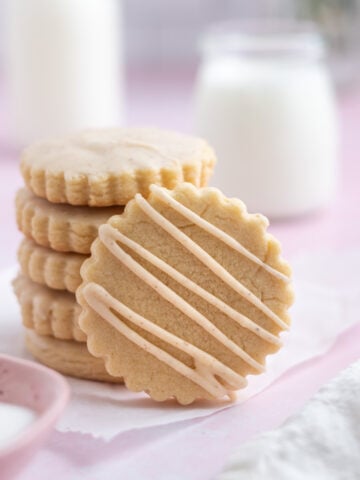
(197, 449)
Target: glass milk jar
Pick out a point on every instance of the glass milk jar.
(264, 100)
(63, 66)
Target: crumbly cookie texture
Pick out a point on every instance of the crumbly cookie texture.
(62, 227)
(184, 294)
(57, 270)
(67, 357)
(47, 311)
(108, 167)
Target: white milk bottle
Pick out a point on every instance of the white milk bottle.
(264, 100)
(63, 66)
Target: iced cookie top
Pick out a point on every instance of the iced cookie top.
(109, 166)
(185, 294)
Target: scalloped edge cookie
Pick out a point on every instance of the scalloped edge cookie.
(61, 227)
(109, 166)
(67, 357)
(57, 270)
(47, 311)
(173, 319)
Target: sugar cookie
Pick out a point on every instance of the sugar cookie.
(64, 228)
(184, 294)
(108, 167)
(67, 357)
(47, 311)
(57, 270)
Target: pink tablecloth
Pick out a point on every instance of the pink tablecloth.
(197, 449)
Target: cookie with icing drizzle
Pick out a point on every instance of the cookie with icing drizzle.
(185, 294)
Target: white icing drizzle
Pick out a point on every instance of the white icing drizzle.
(208, 370)
(213, 230)
(107, 235)
(207, 260)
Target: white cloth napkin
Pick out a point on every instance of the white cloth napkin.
(327, 303)
(322, 442)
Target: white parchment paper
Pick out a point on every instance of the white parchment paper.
(327, 303)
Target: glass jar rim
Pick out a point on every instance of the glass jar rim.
(282, 37)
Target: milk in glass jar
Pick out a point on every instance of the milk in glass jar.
(265, 101)
(63, 67)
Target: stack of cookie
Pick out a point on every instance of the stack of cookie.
(73, 185)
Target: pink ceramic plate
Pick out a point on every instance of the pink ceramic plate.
(36, 387)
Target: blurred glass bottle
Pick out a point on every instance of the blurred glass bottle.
(265, 101)
(63, 66)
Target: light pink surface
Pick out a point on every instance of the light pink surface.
(42, 390)
(197, 449)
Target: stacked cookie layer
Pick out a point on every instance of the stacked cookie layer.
(74, 185)
(56, 243)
